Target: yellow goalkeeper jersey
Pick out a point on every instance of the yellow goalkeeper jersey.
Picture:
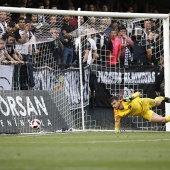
(137, 107)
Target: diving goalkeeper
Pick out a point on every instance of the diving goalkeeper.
(136, 106)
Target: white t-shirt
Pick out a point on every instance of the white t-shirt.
(25, 48)
(93, 47)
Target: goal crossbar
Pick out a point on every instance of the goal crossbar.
(82, 13)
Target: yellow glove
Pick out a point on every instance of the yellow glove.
(117, 131)
(128, 99)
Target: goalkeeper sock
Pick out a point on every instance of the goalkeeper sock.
(160, 98)
(167, 118)
(167, 99)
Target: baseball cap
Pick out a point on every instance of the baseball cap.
(11, 24)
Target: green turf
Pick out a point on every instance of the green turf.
(86, 151)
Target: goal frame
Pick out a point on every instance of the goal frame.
(165, 18)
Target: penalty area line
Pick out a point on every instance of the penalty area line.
(121, 141)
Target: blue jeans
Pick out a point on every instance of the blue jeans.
(67, 56)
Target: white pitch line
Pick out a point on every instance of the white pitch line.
(122, 141)
(115, 141)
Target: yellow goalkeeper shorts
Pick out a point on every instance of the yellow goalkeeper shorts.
(147, 105)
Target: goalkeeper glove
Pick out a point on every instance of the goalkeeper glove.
(128, 99)
(117, 131)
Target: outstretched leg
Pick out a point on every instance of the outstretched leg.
(160, 119)
(167, 99)
(160, 99)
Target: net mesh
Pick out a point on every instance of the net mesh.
(55, 83)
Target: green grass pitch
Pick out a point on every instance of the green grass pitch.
(86, 151)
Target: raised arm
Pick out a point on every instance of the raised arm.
(131, 97)
(136, 94)
(117, 123)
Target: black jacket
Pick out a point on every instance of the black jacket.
(159, 82)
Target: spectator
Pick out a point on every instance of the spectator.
(85, 6)
(147, 28)
(92, 7)
(23, 3)
(141, 49)
(10, 29)
(92, 56)
(154, 29)
(73, 20)
(30, 4)
(135, 6)
(56, 46)
(41, 17)
(130, 9)
(34, 22)
(102, 42)
(46, 4)
(126, 44)
(8, 58)
(3, 59)
(67, 56)
(92, 22)
(23, 35)
(98, 5)
(10, 47)
(105, 8)
(25, 43)
(53, 23)
(59, 18)
(114, 47)
(3, 23)
(52, 20)
(34, 19)
(54, 7)
(56, 3)
(150, 41)
(106, 21)
(114, 25)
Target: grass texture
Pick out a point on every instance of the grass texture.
(86, 151)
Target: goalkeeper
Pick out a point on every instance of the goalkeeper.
(136, 106)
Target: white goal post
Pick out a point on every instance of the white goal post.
(164, 17)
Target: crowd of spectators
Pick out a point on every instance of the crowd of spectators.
(110, 42)
(93, 5)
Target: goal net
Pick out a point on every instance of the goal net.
(67, 96)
